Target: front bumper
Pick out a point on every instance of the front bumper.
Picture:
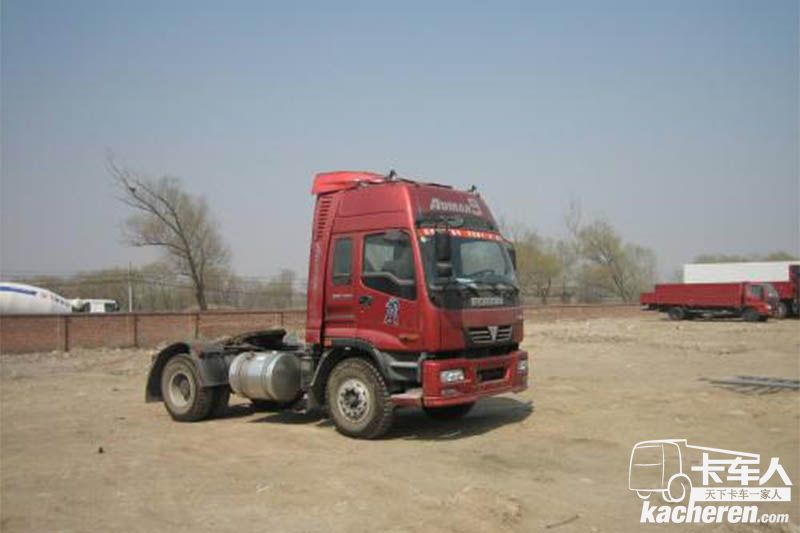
(482, 377)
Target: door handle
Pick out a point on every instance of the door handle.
(365, 300)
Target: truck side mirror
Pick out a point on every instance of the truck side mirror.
(444, 265)
(444, 270)
(512, 254)
(441, 242)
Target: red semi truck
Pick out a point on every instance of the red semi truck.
(412, 301)
(751, 301)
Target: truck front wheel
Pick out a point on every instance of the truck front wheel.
(676, 313)
(751, 315)
(358, 399)
(450, 412)
(184, 398)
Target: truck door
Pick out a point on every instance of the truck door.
(387, 295)
(340, 309)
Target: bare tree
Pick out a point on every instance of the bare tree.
(628, 268)
(538, 263)
(778, 255)
(573, 220)
(567, 253)
(168, 217)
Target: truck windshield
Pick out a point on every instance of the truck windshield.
(772, 294)
(475, 261)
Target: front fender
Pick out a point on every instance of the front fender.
(399, 373)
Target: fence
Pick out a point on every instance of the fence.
(40, 333)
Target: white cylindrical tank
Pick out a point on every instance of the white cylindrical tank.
(18, 298)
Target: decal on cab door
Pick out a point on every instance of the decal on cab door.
(392, 317)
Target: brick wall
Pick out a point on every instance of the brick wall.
(39, 333)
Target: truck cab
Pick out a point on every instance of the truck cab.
(412, 301)
(418, 275)
(763, 296)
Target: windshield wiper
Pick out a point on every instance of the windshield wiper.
(508, 286)
(497, 285)
(461, 283)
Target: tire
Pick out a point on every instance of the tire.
(643, 494)
(358, 399)
(679, 487)
(451, 412)
(751, 315)
(781, 310)
(676, 313)
(221, 397)
(184, 398)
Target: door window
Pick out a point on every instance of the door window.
(388, 264)
(342, 261)
(757, 291)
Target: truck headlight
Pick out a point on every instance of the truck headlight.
(522, 366)
(451, 376)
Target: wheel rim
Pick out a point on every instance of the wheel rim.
(181, 389)
(353, 399)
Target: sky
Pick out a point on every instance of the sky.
(677, 121)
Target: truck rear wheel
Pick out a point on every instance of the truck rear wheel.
(358, 399)
(751, 315)
(450, 412)
(676, 313)
(184, 398)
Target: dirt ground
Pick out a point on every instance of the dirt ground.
(554, 458)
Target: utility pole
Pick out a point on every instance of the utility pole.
(130, 287)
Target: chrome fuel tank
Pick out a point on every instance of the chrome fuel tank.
(270, 375)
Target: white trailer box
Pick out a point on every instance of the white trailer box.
(736, 272)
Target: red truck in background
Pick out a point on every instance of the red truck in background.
(789, 293)
(751, 301)
(412, 301)
(784, 276)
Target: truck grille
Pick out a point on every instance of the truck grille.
(490, 334)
